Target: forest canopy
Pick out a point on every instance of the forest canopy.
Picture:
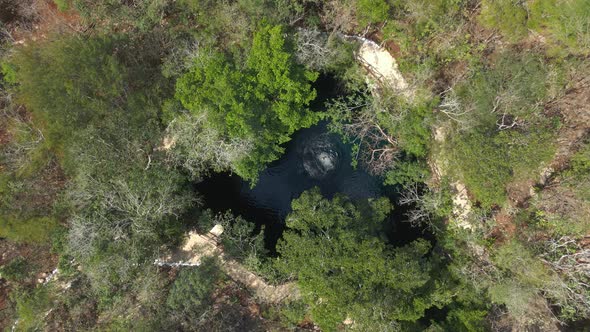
(282, 165)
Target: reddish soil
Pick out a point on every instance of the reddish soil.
(519, 192)
(4, 135)
(573, 108)
(40, 260)
(505, 228)
(391, 46)
(5, 308)
(47, 19)
(449, 75)
(38, 256)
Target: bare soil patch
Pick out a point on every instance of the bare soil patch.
(43, 19)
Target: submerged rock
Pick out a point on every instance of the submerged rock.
(320, 156)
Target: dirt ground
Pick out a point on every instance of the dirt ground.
(36, 19)
(41, 263)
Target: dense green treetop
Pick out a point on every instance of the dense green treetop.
(265, 98)
(346, 269)
(68, 82)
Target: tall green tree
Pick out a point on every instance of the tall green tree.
(346, 269)
(264, 99)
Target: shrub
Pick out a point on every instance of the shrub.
(62, 5)
(465, 320)
(406, 173)
(31, 307)
(565, 23)
(508, 16)
(239, 239)
(15, 270)
(577, 175)
(67, 83)
(412, 126)
(521, 280)
(32, 230)
(371, 11)
(487, 164)
(190, 296)
(507, 137)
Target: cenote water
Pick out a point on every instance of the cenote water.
(313, 158)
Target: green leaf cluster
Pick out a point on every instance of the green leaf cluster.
(70, 82)
(264, 99)
(345, 268)
(509, 16)
(190, 295)
(563, 23)
(372, 11)
(31, 230)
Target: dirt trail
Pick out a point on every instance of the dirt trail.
(461, 203)
(574, 108)
(199, 246)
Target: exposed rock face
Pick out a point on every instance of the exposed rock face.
(381, 66)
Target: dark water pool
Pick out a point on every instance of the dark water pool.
(314, 157)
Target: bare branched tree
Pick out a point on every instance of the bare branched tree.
(571, 261)
(357, 120)
(504, 107)
(378, 149)
(312, 49)
(20, 142)
(27, 137)
(19, 13)
(238, 236)
(424, 206)
(181, 57)
(338, 16)
(451, 107)
(116, 198)
(199, 148)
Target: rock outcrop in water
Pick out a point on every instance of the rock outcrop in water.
(320, 156)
